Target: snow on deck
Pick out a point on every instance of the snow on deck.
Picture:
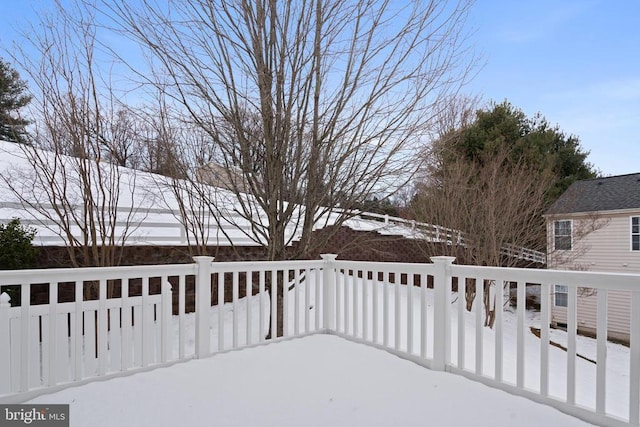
(319, 380)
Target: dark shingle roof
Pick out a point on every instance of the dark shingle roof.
(599, 194)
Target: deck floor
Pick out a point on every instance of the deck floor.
(318, 380)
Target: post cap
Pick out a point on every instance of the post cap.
(4, 298)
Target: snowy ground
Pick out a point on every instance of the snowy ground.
(313, 381)
(324, 380)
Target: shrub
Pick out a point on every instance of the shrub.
(16, 252)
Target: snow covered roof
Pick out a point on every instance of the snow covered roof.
(148, 211)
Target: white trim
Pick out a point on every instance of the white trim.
(553, 226)
(629, 211)
(631, 233)
(556, 292)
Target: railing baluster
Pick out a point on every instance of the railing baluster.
(520, 344)
(339, 296)
(385, 311)
(634, 359)
(53, 334)
(5, 339)
(127, 338)
(221, 297)
(166, 324)
(498, 327)
(375, 308)
(346, 303)
(249, 297)
(296, 304)
(274, 304)
(261, 290)
(544, 338)
(461, 325)
(146, 323)
(181, 316)
(318, 306)
(479, 303)
(365, 304)
(102, 328)
(601, 357)
(285, 302)
(235, 295)
(572, 326)
(25, 322)
(307, 299)
(354, 287)
(423, 316)
(397, 310)
(410, 313)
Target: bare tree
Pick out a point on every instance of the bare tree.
(496, 204)
(71, 186)
(318, 103)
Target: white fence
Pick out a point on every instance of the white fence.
(386, 305)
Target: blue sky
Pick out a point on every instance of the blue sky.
(577, 62)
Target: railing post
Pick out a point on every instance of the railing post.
(5, 348)
(203, 305)
(328, 291)
(441, 318)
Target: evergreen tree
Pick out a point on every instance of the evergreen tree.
(531, 141)
(12, 99)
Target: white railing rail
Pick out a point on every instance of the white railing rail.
(437, 233)
(417, 311)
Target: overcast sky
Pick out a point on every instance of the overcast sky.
(577, 62)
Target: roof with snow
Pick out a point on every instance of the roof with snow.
(148, 210)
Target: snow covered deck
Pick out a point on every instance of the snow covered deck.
(318, 380)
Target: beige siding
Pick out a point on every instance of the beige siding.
(608, 249)
(618, 319)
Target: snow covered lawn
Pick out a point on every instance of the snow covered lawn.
(320, 380)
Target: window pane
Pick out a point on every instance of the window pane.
(561, 300)
(562, 236)
(563, 243)
(635, 242)
(560, 296)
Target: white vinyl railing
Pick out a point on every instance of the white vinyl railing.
(138, 319)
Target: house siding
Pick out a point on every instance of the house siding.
(606, 249)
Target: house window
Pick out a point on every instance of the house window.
(635, 233)
(561, 296)
(562, 235)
